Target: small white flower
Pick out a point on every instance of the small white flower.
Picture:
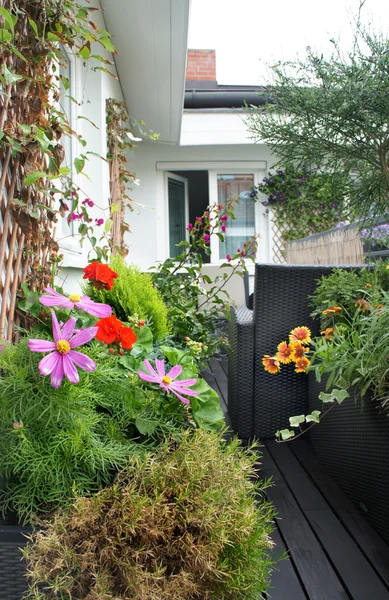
(133, 138)
(136, 182)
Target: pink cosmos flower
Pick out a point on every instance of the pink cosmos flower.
(75, 300)
(166, 382)
(62, 358)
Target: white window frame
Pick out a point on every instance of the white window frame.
(262, 219)
(74, 255)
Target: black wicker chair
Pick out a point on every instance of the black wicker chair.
(353, 444)
(260, 404)
(13, 582)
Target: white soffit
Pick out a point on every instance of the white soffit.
(151, 39)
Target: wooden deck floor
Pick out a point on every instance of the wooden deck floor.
(333, 553)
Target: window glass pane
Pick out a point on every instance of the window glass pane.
(243, 226)
(176, 190)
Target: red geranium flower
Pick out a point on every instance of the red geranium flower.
(108, 329)
(127, 337)
(102, 276)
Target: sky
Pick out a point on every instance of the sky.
(250, 35)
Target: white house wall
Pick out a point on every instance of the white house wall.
(200, 127)
(148, 240)
(92, 88)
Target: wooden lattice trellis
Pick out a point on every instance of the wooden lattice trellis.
(278, 244)
(25, 223)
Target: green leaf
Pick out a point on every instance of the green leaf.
(79, 164)
(129, 362)
(114, 208)
(89, 121)
(19, 54)
(33, 177)
(33, 26)
(5, 36)
(108, 225)
(9, 76)
(25, 128)
(7, 18)
(313, 417)
(210, 413)
(145, 426)
(286, 434)
(144, 339)
(53, 37)
(297, 420)
(84, 52)
(106, 42)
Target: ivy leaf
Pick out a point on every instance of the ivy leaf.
(79, 164)
(33, 177)
(285, 434)
(297, 420)
(338, 395)
(313, 417)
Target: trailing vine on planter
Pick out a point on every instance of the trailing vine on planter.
(33, 38)
(303, 203)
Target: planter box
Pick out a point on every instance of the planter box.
(353, 444)
(13, 581)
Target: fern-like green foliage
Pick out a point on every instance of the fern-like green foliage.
(72, 439)
(185, 523)
(134, 292)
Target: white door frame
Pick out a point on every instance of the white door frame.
(168, 175)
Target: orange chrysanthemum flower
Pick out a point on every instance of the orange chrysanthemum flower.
(271, 364)
(301, 364)
(328, 333)
(284, 352)
(362, 304)
(298, 351)
(334, 310)
(300, 334)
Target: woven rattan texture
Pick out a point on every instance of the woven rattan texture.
(353, 444)
(241, 371)
(13, 582)
(281, 302)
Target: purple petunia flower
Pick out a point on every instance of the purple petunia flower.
(166, 382)
(75, 300)
(62, 358)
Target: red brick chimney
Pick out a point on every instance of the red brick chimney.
(201, 66)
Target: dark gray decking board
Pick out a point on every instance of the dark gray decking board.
(352, 566)
(316, 572)
(221, 378)
(371, 544)
(284, 580)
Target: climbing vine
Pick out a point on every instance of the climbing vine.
(303, 203)
(34, 186)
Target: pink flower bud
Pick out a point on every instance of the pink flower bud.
(17, 425)
(199, 219)
(224, 228)
(189, 227)
(206, 238)
(228, 257)
(99, 221)
(224, 218)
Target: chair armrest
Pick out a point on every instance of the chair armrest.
(241, 371)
